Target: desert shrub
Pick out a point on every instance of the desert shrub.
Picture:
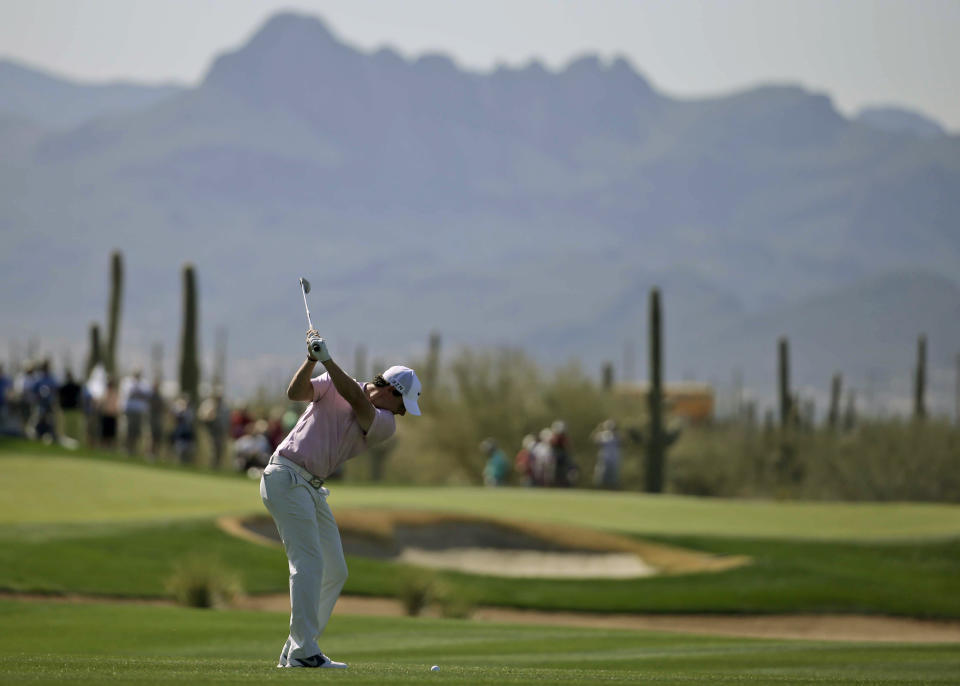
(500, 394)
(203, 581)
(886, 460)
(503, 394)
(416, 588)
(879, 460)
(454, 601)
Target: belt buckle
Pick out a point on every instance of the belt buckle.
(316, 482)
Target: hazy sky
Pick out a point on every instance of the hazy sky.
(859, 51)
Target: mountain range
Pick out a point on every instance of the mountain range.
(58, 103)
(521, 206)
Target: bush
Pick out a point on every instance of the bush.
(455, 602)
(500, 394)
(415, 589)
(878, 461)
(203, 581)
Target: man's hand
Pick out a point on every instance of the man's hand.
(316, 347)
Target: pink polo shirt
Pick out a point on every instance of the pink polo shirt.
(327, 433)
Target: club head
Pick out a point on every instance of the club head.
(305, 285)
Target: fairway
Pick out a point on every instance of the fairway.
(800, 563)
(79, 490)
(97, 644)
(92, 490)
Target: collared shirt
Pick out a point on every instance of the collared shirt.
(328, 434)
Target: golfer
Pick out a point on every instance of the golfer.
(344, 418)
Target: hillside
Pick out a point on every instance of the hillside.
(60, 103)
(495, 207)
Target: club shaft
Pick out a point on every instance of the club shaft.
(305, 306)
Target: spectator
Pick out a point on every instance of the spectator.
(93, 392)
(496, 469)
(22, 400)
(5, 384)
(158, 417)
(290, 418)
(44, 391)
(567, 472)
(252, 451)
(70, 407)
(275, 431)
(544, 465)
(109, 409)
(239, 419)
(523, 462)
(606, 473)
(184, 435)
(215, 418)
(135, 394)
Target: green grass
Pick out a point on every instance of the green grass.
(920, 579)
(107, 526)
(48, 488)
(102, 525)
(126, 560)
(45, 643)
(50, 485)
(633, 513)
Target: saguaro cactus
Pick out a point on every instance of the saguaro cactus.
(156, 355)
(783, 376)
(956, 399)
(360, 362)
(850, 413)
(189, 363)
(836, 389)
(220, 359)
(607, 376)
(920, 380)
(433, 362)
(113, 312)
(95, 354)
(657, 438)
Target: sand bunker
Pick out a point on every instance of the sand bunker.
(495, 547)
(530, 563)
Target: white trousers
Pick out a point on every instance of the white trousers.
(312, 541)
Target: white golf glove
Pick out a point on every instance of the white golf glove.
(317, 349)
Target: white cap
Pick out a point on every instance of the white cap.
(405, 380)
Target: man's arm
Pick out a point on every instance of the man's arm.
(353, 394)
(300, 387)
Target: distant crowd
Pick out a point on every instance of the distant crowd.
(545, 459)
(136, 416)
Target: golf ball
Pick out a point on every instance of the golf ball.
(435, 668)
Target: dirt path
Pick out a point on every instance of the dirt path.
(816, 627)
(811, 627)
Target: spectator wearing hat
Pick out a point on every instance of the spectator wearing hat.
(523, 462)
(606, 473)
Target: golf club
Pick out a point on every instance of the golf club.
(305, 288)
